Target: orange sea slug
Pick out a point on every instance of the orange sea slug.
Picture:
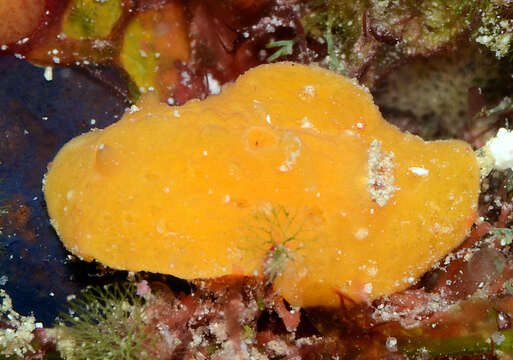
(290, 173)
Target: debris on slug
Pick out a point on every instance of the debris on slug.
(381, 175)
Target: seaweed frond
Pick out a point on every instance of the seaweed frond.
(105, 323)
(505, 105)
(284, 48)
(279, 235)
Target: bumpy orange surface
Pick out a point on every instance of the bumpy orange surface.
(290, 172)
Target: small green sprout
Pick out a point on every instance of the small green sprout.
(249, 332)
(506, 104)
(285, 47)
(104, 323)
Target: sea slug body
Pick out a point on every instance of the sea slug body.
(220, 186)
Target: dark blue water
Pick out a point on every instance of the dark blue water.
(36, 118)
